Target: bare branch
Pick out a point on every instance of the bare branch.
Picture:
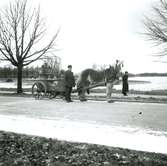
(156, 27)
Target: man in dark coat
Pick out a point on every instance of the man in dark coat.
(125, 85)
(69, 83)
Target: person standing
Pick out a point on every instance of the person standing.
(69, 83)
(109, 88)
(125, 85)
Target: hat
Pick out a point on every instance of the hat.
(69, 66)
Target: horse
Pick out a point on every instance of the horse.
(89, 77)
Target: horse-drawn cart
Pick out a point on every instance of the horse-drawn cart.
(49, 88)
(88, 79)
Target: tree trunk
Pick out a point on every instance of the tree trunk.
(19, 78)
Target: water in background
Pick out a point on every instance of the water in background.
(146, 84)
(142, 83)
(26, 84)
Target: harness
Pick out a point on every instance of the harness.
(113, 77)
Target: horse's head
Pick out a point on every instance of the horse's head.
(114, 71)
(118, 68)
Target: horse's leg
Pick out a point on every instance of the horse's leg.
(82, 96)
(109, 87)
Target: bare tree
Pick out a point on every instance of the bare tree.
(21, 32)
(156, 27)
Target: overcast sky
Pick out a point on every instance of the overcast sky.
(99, 32)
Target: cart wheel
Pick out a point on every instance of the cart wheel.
(39, 90)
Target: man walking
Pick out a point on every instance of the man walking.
(69, 83)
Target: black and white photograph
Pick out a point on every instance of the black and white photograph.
(83, 83)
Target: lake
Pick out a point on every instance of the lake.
(146, 83)
(135, 83)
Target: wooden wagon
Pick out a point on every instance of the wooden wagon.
(49, 88)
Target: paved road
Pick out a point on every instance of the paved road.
(131, 125)
(145, 115)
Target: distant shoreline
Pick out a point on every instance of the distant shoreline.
(149, 75)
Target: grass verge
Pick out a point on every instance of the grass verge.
(24, 150)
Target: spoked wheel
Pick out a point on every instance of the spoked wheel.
(39, 90)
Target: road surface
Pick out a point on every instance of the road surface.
(139, 126)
